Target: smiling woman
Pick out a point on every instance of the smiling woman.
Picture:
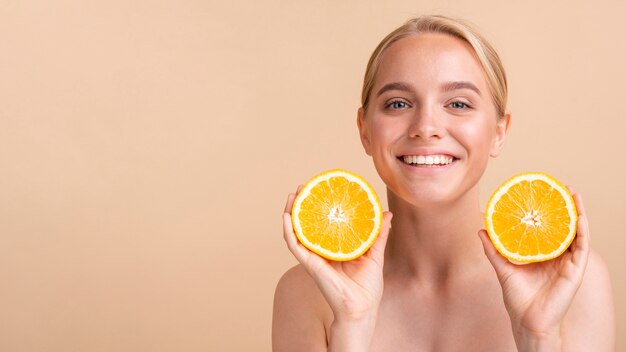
(433, 113)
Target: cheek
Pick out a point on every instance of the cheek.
(385, 132)
(477, 138)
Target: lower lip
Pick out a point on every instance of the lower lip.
(428, 169)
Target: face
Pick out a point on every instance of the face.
(431, 123)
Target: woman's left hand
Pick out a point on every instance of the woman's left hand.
(537, 296)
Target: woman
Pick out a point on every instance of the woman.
(435, 87)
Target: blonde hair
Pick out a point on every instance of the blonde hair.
(486, 54)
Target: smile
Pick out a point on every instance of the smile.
(427, 160)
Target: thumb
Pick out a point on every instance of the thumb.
(377, 251)
(500, 264)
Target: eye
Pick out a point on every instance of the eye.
(397, 105)
(459, 105)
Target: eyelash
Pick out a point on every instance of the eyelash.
(465, 105)
(396, 101)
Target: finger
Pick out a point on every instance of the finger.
(289, 204)
(582, 228)
(377, 251)
(500, 264)
(581, 248)
(580, 207)
(298, 250)
(291, 198)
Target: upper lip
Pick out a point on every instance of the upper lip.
(427, 151)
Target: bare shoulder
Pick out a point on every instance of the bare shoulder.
(297, 291)
(300, 313)
(590, 323)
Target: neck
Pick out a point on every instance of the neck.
(434, 243)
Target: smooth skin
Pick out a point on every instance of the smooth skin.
(434, 282)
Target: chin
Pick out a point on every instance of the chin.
(425, 197)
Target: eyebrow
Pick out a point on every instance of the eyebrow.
(450, 86)
(394, 86)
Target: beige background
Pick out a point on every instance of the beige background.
(147, 149)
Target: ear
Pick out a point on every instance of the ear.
(363, 131)
(502, 129)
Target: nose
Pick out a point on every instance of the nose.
(426, 124)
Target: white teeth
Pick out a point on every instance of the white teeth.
(428, 159)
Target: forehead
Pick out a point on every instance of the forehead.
(428, 58)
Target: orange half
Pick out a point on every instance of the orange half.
(531, 218)
(337, 215)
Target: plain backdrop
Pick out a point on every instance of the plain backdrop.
(147, 149)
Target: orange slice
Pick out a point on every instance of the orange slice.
(337, 215)
(531, 218)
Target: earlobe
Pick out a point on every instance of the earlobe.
(502, 129)
(363, 131)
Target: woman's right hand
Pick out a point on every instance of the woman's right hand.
(353, 289)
